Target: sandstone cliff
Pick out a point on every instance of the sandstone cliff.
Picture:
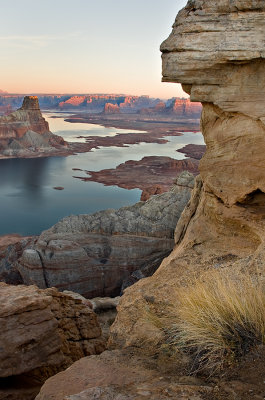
(102, 253)
(223, 225)
(25, 131)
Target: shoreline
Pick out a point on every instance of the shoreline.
(153, 131)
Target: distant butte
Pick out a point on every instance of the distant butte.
(26, 133)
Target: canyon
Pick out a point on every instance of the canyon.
(216, 51)
(103, 253)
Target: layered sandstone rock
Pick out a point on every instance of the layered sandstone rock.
(42, 332)
(216, 50)
(25, 130)
(102, 253)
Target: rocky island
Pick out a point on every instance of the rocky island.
(153, 175)
(25, 133)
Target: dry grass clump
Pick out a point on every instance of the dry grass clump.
(221, 316)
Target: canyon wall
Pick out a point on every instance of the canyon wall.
(216, 50)
(102, 253)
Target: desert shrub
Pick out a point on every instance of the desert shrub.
(219, 318)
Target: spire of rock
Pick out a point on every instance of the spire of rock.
(30, 103)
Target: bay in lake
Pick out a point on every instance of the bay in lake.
(29, 204)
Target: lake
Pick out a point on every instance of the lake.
(29, 202)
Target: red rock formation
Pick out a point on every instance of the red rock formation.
(185, 107)
(25, 131)
(148, 172)
(28, 117)
(73, 101)
(110, 108)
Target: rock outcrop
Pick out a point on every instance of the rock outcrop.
(42, 332)
(26, 131)
(216, 50)
(102, 253)
(111, 109)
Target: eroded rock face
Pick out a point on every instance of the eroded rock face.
(44, 329)
(102, 253)
(216, 50)
(42, 333)
(25, 130)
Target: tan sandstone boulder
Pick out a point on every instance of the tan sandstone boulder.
(41, 333)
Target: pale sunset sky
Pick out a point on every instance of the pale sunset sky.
(85, 46)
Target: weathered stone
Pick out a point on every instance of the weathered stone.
(216, 50)
(26, 131)
(44, 330)
(119, 376)
(95, 254)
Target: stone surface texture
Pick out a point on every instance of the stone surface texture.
(44, 329)
(101, 254)
(120, 376)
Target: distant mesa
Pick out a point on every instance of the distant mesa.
(25, 131)
(176, 107)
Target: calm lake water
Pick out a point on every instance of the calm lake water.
(29, 204)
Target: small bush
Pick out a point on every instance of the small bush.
(219, 318)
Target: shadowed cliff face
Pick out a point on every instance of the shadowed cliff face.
(216, 51)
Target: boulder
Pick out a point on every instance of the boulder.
(42, 332)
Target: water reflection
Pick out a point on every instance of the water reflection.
(28, 202)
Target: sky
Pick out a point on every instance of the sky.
(85, 46)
